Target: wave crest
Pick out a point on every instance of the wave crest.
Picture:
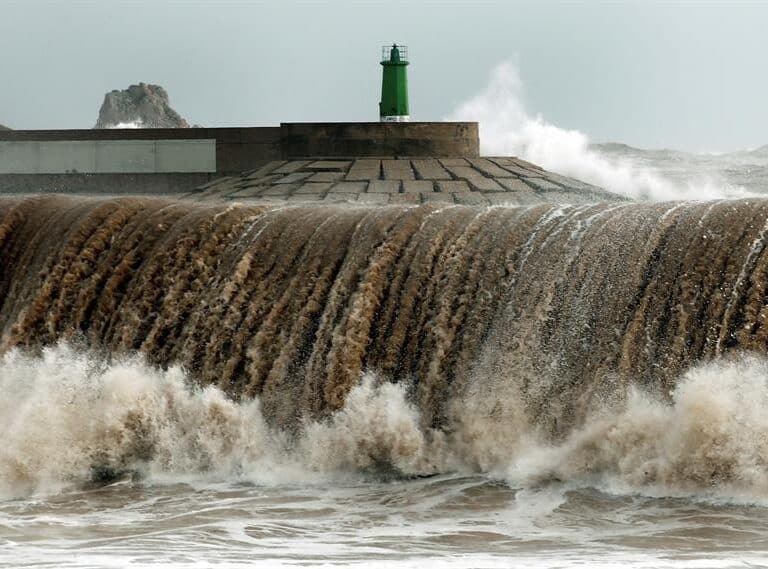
(68, 416)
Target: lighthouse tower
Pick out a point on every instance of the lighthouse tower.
(394, 84)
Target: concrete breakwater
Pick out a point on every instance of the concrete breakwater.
(553, 307)
(163, 160)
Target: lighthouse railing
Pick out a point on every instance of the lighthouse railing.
(386, 50)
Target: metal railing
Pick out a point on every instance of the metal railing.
(386, 51)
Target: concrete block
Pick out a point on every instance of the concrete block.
(516, 167)
(485, 184)
(384, 187)
(418, 186)
(430, 169)
(367, 164)
(314, 188)
(570, 182)
(266, 169)
(349, 187)
(293, 178)
(397, 170)
(452, 186)
(527, 165)
(325, 177)
(475, 179)
(364, 169)
(515, 185)
(522, 172)
(489, 168)
(359, 174)
(291, 166)
(463, 172)
(329, 165)
(264, 180)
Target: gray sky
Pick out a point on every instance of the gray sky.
(690, 75)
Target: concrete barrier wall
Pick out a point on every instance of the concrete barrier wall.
(107, 156)
(110, 153)
(236, 149)
(436, 139)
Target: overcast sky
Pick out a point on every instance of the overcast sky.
(690, 75)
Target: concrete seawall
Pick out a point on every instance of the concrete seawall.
(156, 160)
(435, 139)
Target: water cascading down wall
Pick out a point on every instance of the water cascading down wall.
(559, 305)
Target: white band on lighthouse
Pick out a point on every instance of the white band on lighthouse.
(396, 118)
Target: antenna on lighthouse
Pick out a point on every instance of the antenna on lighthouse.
(393, 106)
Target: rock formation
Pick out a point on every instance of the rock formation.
(3, 127)
(142, 105)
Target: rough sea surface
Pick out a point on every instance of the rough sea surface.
(738, 173)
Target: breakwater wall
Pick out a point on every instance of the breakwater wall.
(173, 160)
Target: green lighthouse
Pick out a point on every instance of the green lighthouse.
(394, 84)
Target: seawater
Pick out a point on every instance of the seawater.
(215, 485)
(447, 521)
(224, 384)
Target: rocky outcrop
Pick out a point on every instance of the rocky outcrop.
(3, 127)
(139, 106)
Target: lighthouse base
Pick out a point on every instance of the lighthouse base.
(396, 118)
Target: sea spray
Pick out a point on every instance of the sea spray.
(707, 438)
(507, 128)
(68, 416)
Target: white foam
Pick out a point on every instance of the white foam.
(64, 412)
(709, 440)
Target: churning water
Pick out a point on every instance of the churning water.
(445, 385)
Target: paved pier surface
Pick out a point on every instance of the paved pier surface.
(464, 180)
